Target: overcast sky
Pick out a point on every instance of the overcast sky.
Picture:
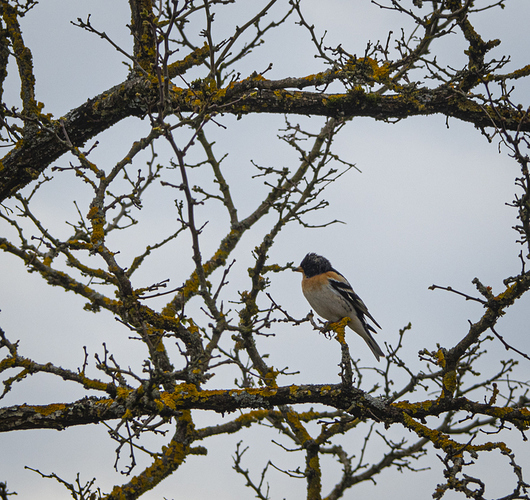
(429, 207)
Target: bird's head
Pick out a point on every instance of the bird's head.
(314, 264)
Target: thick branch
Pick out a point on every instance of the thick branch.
(186, 397)
(133, 98)
(144, 40)
(40, 148)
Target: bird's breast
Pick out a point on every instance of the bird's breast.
(327, 303)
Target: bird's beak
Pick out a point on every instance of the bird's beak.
(298, 270)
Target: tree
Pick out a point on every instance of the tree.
(184, 84)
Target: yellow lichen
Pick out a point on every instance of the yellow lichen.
(449, 381)
(122, 393)
(48, 409)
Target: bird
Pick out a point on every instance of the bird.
(332, 297)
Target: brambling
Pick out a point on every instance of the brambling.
(332, 297)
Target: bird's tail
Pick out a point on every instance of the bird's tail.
(372, 344)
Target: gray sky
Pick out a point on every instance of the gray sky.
(429, 207)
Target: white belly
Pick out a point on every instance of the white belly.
(330, 304)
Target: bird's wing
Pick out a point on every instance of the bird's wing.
(341, 285)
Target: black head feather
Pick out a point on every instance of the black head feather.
(314, 264)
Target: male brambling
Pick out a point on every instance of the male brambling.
(332, 297)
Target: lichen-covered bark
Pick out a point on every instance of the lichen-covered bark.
(186, 397)
(185, 351)
(143, 33)
(36, 151)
